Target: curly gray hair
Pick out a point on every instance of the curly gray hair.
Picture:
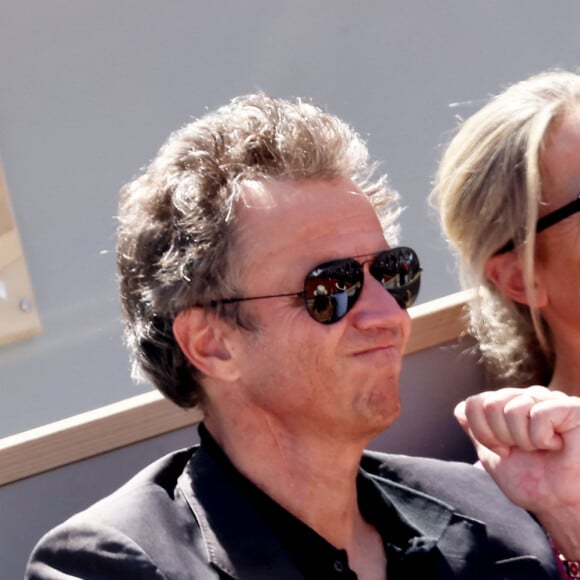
(488, 188)
(178, 219)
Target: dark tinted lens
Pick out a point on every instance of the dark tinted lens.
(399, 271)
(332, 288)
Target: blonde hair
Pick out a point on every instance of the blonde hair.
(487, 189)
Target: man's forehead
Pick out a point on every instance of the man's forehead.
(271, 193)
(284, 215)
(256, 194)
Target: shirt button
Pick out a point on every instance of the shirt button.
(338, 566)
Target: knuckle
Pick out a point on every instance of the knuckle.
(493, 405)
(514, 411)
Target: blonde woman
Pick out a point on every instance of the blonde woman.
(508, 193)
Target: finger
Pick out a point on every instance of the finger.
(493, 407)
(484, 454)
(485, 414)
(553, 421)
(540, 393)
(517, 418)
(518, 412)
(475, 426)
(502, 417)
(459, 413)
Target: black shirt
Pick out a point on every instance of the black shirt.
(407, 552)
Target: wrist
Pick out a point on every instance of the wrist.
(563, 530)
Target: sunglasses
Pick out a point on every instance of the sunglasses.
(332, 289)
(547, 221)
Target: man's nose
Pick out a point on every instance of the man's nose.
(377, 307)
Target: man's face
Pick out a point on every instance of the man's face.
(336, 380)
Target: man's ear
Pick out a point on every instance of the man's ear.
(506, 272)
(201, 337)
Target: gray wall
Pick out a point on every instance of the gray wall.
(89, 90)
